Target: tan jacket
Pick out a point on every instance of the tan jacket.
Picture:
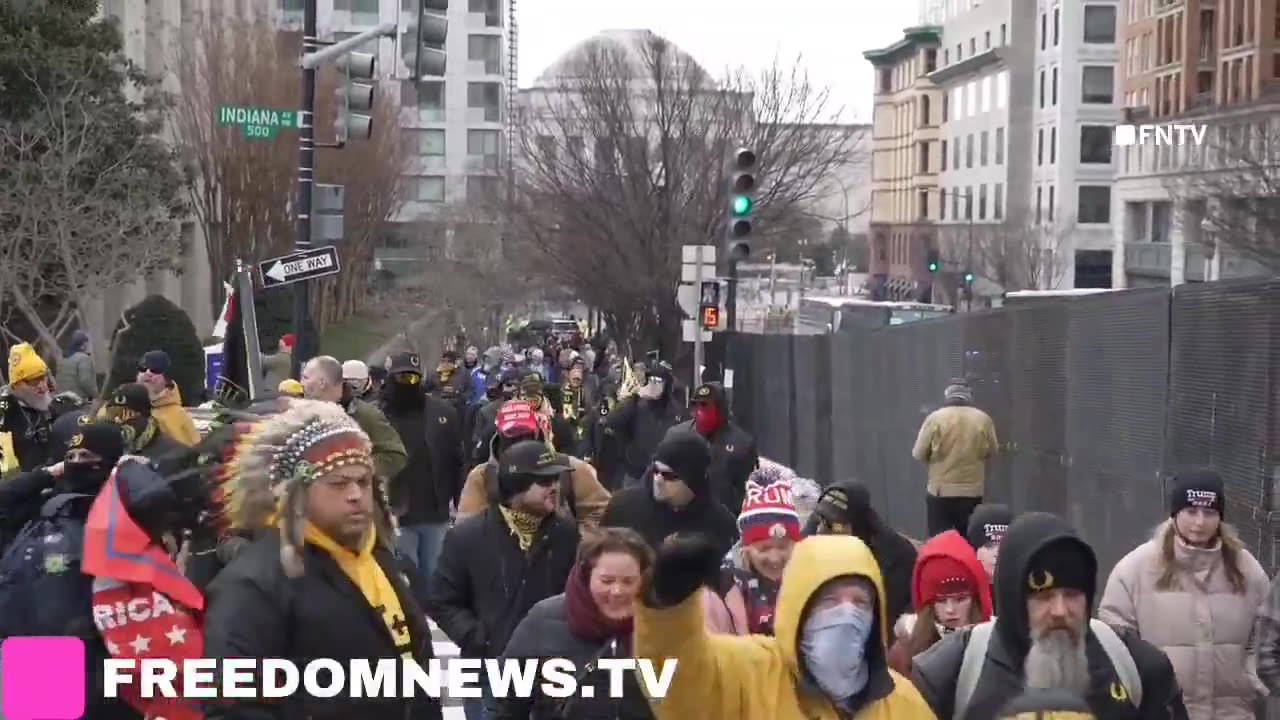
(173, 418)
(1202, 625)
(955, 442)
(590, 497)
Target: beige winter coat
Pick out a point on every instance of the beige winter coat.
(1202, 625)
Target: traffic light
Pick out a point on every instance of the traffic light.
(423, 45)
(742, 185)
(933, 261)
(353, 101)
(969, 277)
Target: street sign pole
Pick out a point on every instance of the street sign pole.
(697, 337)
(304, 345)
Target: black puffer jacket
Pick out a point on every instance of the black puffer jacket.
(545, 633)
(936, 671)
(638, 425)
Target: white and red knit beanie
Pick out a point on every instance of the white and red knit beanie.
(767, 508)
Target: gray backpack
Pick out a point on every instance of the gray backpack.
(975, 656)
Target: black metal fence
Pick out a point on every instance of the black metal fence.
(1097, 401)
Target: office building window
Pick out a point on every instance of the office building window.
(923, 197)
(1040, 146)
(946, 107)
(1042, 88)
(968, 150)
(1053, 145)
(1097, 84)
(1039, 203)
(986, 40)
(997, 201)
(1004, 34)
(1095, 144)
(483, 146)
(430, 188)
(930, 60)
(492, 10)
(922, 153)
(959, 55)
(968, 202)
(1055, 86)
(942, 204)
(423, 142)
(486, 49)
(946, 56)
(1051, 204)
(999, 146)
(982, 201)
(1094, 204)
(944, 156)
(1044, 31)
(955, 205)
(955, 154)
(982, 148)
(973, 46)
(485, 96)
(431, 104)
(1057, 20)
(1100, 24)
(1002, 89)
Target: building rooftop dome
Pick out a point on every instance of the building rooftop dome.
(631, 43)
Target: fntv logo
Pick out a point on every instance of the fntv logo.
(1160, 134)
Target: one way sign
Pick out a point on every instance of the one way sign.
(306, 265)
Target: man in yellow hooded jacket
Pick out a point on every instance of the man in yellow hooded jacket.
(826, 661)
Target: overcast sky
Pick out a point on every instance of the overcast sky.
(830, 35)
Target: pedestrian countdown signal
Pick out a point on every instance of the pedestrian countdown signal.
(710, 317)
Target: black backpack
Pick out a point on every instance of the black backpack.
(42, 591)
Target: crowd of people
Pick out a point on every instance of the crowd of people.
(585, 512)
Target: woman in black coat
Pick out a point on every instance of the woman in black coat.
(589, 621)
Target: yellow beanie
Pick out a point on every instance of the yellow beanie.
(290, 387)
(25, 364)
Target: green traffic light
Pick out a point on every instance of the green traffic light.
(933, 267)
(968, 277)
(741, 205)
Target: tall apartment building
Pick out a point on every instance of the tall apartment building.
(905, 159)
(1214, 63)
(1031, 101)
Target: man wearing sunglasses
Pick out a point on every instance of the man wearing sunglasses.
(166, 400)
(675, 496)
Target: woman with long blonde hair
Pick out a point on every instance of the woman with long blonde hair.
(1193, 590)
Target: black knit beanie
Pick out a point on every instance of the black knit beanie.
(987, 524)
(1197, 487)
(689, 454)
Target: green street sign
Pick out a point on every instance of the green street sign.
(258, 123)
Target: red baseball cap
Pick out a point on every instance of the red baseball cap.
(517, 418)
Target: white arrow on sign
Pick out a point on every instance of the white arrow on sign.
(282, 270)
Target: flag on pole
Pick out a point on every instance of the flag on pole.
(232, 387)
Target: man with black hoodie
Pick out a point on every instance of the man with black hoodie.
(639, 423)
(733, 450)
(845, 509)
(497, 565)
(675, 496)
(130, 408)
(432, 478)
(1043, 637)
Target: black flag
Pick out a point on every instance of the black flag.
(232, 387)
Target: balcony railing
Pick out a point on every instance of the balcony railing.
(1140, 112)
(1148, 258)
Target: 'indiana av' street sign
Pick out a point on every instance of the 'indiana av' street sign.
(258, 123)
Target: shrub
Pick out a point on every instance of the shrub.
(158, 324)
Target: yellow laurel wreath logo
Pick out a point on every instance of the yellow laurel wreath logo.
(1045, 582)
(1119, 692)
(76, 440)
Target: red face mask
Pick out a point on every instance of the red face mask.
(707, 418)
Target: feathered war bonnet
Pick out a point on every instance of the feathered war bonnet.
(271, 461)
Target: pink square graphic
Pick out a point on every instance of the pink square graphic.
(42, 678)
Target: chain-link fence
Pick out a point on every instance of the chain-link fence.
(1097, 401)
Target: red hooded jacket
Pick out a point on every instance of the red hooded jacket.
(948, 544)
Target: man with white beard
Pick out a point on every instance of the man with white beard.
(25, 407)
(1043, 638)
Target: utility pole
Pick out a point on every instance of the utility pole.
(305, 345)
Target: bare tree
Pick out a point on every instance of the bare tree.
(89, 200)
(243, 190)
(1236, 175)
(1016, 253)
(623, 162)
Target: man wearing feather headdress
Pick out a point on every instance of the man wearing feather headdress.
(327, 584)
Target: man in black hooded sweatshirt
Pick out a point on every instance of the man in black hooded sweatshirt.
(432, 478)
(1043, 637)
(733, 450)
(639, 423)
(845, 509)
(674, 496)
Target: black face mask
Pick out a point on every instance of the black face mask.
(86, 477)
(402, 394)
